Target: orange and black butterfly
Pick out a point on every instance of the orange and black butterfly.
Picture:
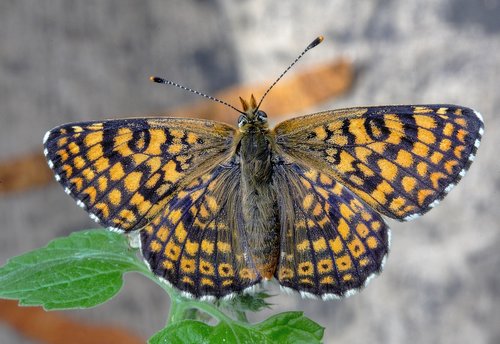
(220, 209)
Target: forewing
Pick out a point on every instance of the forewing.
(401, 160)
(332, 243)
(124, 171)
(197, 243)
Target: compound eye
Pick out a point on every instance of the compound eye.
(242, 120)
(261, 115)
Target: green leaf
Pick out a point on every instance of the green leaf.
(289, 327)
(78, 271)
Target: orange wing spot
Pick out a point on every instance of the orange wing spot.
(357, 128)
(206, 268)
(423, 194)
(426, 136)
(320, 133)
(458, 151)
(172, 251)
(180, 232)
(435, 179)
(436, 157)
(179, 134)
(122, 148)
(79, 162)
(162, 233)
(305, 269)
(448, 129)
(153, 180)
(343, 228)
(207, 281)
(305, 183)
(127, 215)
(408, 183)
(442, 111)
(68, 170)
(366, 215)
(62, 141)
(397, 203)
(92, 138)
(356, 179)
(115, 197)
(421, 109)
(372, 242)
(308, 201)
(356, 247)
(223, 247)
(338, 140)
(227, 283)
(346, 162)
(88, 174)
(158, 137)
(376, 225)
(155, 246)
(187, 280)
(103, 209)
(303, 246)
(445, 145)
(212, 203)
(203, 211)
(426, 122)
(188, 265)
(420, 149)
(73, 148)
(461, 121)
(319, 245)
(101, 164)
(422, 168)
(191, 247)
(364, 262)
(132, 181)
(175, 148)
(171, 175)
(306, 281)
(387, 169)
(174, 216)
(63, 155)
(317, 210)
(322, 192)
(327, 280)
(343, 263)
(362, 230)
(139, 158)
(246, 273)
(379, 147)
(95, 152)
(362, 153)
(404, 158)
(225, 270)
(366, 170)
(346, 212)
(285, 273)
(324, 179)
(324, 266)
(311, 175)
(207, 247)
(167, 264)
(336, 245)
(323, 222)
(116, 172)
(448, 165)
(383, 189)
(91, 192)
(461, 134)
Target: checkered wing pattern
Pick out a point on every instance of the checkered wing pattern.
(401, 160)
(331, 241)
(198, 243)
(123, 172)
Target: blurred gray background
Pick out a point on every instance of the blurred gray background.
(68, 60)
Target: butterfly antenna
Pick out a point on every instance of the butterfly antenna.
(168, 82)
(314, 43)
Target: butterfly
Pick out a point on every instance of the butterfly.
(220, 209)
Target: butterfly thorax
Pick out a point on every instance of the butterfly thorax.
(258, 198)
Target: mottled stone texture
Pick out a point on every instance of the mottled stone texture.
(68, 60)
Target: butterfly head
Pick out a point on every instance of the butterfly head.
(252, 118)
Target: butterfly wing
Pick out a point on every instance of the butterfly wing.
(123, 172)
(331, 242)
(198, 243)
(401, 160)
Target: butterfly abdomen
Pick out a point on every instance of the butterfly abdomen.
(258, 198)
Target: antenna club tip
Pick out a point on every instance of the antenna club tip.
(317, 41)
(156, 79)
